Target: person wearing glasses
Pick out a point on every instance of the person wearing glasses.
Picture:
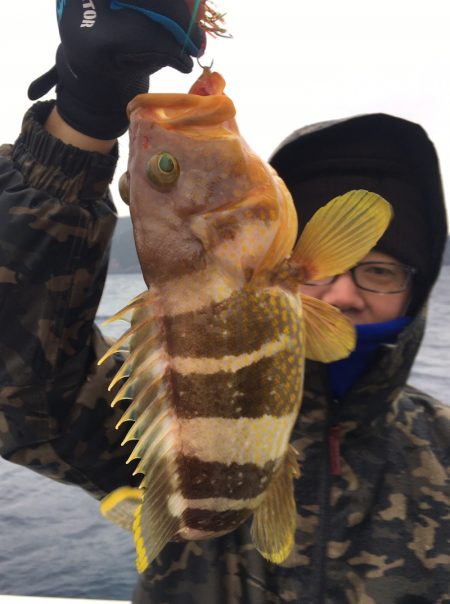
(351, 292)
(373, 498)
(374, 495)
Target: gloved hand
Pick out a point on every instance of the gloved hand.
(108, 50)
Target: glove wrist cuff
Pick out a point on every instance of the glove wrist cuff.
(103, 126)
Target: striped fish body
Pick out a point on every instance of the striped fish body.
(218, 342)
(233, 378)
(215, 392)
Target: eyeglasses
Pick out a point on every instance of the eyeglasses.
(377, 277)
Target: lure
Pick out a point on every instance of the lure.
(207, 17)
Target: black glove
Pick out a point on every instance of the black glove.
(108, 50)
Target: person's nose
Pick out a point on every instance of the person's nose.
(344, 293)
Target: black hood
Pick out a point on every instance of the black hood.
(382, 153)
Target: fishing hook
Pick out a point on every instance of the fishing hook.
(208, 67)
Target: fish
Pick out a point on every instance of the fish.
(217, 343)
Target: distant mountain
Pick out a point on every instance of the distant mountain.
(447, 252)
(123, 252)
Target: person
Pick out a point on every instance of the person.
(373, 520)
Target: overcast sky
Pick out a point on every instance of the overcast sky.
(290, 63)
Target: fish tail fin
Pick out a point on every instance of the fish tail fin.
(274, 521)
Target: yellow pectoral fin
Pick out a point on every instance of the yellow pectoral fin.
(273, 526)
(120, 506)
(330, 336)
(341, 233)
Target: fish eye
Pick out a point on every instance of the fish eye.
(124, 188)
(163, 169)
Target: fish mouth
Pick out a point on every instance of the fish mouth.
(181, 110)
(206, 104)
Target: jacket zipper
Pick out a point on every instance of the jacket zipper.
(331, 467)
(334, 440)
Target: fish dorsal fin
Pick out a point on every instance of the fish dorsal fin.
(340, 234)
(152, 421)
(120, 506)
(155, 523)
(144, 299)
(274, 521)
(330, 336)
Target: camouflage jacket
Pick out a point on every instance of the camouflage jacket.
(373, 499)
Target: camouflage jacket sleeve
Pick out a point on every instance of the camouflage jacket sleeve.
(56, 222)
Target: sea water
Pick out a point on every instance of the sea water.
(53, 541)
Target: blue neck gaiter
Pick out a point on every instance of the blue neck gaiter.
(369, 338)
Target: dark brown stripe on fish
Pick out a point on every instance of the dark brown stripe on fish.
(209, 520)
(242, 323)
(270, 386)
(200, 479)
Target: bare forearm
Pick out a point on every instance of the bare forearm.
(60, 129)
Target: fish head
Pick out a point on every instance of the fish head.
(197, 193)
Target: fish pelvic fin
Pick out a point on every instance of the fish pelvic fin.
(273, 526)
(330, 336)
(119, 506)
(340, 234)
